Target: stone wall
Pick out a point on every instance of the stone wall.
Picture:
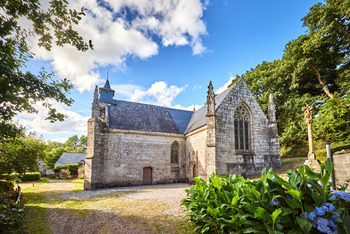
(228, 161)
(196, 151)
(342, 169)
(127, 152)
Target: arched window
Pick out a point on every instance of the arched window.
(242, 128)
(175, 152)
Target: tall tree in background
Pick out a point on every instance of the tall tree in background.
(20, 89)
(314, 70)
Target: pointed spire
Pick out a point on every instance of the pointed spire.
(107, 85)
(271, 109)
(211, 99)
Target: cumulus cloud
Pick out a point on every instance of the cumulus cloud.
(225, 86)
(159, 93)
(126, 28)
(36, 122)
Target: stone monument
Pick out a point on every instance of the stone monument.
(311, 157)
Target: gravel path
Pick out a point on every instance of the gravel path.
(170, 194)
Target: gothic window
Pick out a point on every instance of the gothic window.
(241, 128)
(175, 152)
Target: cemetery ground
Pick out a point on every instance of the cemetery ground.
(62, 206)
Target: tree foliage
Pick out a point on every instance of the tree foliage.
(20, 89)
(314, 70)
(21, 155)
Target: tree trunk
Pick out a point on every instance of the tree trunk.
(325, 89)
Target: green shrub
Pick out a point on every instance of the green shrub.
(322, 153)
(6, 186)
(34, 176)
(44, 180)
(64, 174)
(270, 204)
(70, 167)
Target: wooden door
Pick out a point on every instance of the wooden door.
(194, 170)
(147, 175)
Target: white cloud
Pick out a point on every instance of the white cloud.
(36, 122)
(189, 108)
(159, 93)
(117, 35)
(197, 86)
(225, 86)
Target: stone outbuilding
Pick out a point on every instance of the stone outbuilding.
(133, 143)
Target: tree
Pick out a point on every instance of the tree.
(76, 145)
(20, 89)
(52, 157)
(21, 155)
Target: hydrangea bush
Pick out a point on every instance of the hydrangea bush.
(302, 204)
(11, 214)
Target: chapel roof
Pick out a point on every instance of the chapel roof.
(146, 117)
(139, 116)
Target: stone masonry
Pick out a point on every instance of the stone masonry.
(133, 143)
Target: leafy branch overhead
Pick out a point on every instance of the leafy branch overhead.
(21, 89)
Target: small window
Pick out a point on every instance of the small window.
(175, 152)
(241, 128)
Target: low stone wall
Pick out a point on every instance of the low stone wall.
(342, 169)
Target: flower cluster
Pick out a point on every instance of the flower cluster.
(340, 195)
(11, 214)
(322, 224)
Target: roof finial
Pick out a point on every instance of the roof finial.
(107, 74)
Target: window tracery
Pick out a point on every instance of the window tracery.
(242, 128)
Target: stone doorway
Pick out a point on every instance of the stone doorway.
(194, 171)
(147, 176)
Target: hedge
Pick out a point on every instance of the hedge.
(70, 167)
(35, 176)
(323, 152)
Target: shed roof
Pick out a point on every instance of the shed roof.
(70, 158)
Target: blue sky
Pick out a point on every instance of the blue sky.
(164, 52)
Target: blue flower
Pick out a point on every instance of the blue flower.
(335, 217)
(273, 178)
(322, 225)
(332, 224)
(274, 202)
(340, 195)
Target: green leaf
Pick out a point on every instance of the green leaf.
(311, 174)
(294, 179)
(261, 213)
(235, 200)
(318, 199)
(217, 182)
(295, 193)
(329, 165)
(304, 224)
(293, 203)
(272, 231)
(275, 214)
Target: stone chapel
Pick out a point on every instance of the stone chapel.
(132, 143)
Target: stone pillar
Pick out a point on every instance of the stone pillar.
(210, 151)
(311, 157)
(274, 146)
(95, 142)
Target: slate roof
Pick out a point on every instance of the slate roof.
(70, 158)
(138, 116)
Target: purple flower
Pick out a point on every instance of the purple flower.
(2, 216)
(21, 210)
(13, 209)
(319, 182)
